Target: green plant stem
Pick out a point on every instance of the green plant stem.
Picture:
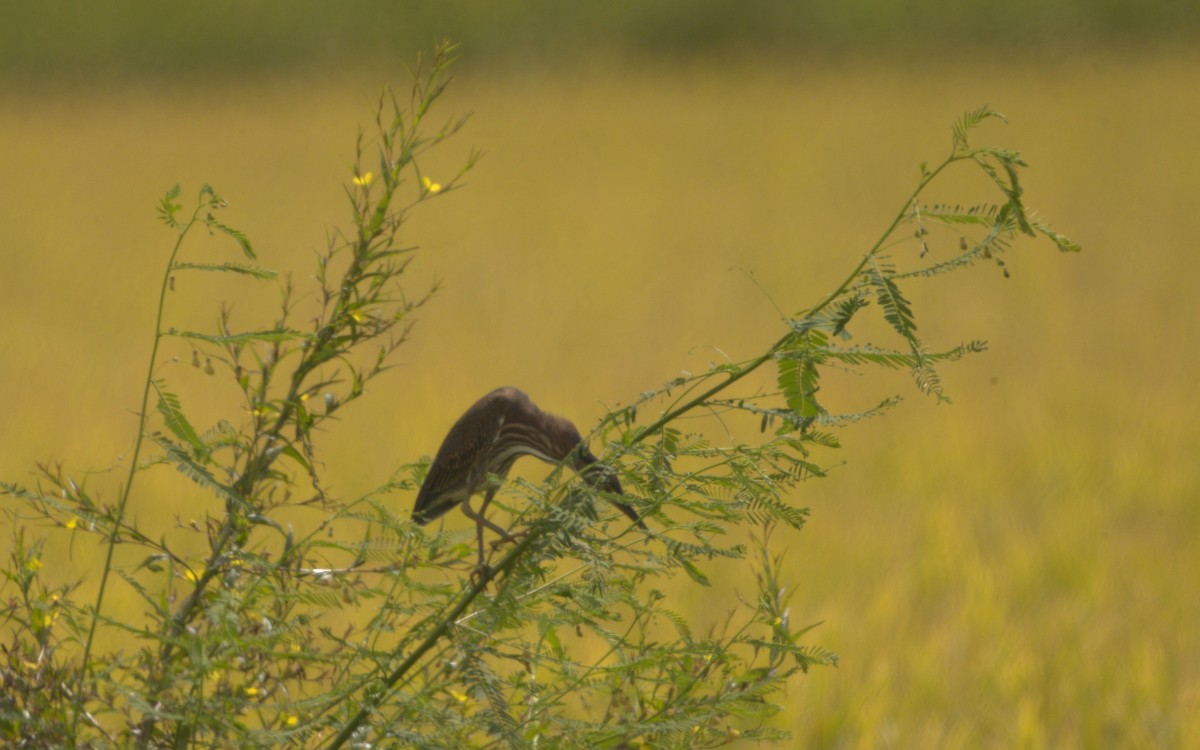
(260, 459)
(774, 349)
(439, 631)
(133, 468)
(259, 462)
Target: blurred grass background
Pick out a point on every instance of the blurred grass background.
(1018, 569)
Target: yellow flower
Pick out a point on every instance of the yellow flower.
(34, 564)
(364, 180)
(292, 720)
(458, 696)
(251, 691)
(72, 523)
(431, 186)
(191, 575)
(43, 620)
(358, 316)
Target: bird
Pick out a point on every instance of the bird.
(485, 442)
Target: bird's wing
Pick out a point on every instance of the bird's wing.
(459, 466)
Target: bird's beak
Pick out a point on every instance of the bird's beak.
(612, 484)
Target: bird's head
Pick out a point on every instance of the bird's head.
(562, 437)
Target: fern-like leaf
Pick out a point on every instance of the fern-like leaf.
(926, 377)
(177, 455)
(169, 206)
(968, 122)
(843, 311)
(982, 214)
(841, 420)
(693, 571)
(1064, 243)
(798, 379)
(764, 508)
(222, 433)
(240, 268)
(896, 310)
(178, 424)
(239, 237)
(234, 339)
(894, 359)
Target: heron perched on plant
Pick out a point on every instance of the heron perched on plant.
(485, 441)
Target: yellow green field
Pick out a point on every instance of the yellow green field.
(1018, 569)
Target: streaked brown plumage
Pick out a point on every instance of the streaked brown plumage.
(500, 428)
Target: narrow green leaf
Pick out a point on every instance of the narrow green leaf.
(1015, 193)
(149, 597)
(291, 452)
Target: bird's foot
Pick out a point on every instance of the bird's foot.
(481, 576)
(508, 538)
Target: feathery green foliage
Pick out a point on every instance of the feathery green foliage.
(381, 635)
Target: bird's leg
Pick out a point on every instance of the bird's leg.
(508, 538)
(481, 520)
